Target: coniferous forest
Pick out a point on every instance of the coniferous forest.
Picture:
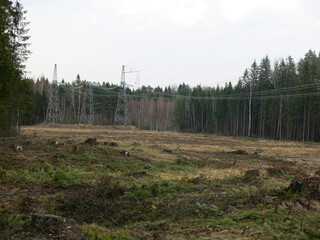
(278, 100)
(15, 91)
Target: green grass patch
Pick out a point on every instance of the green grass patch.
(207, 210)
(272, 225)
(10, 222)
(125, 166)
(26, 177)
(85, 157)
(95, 234)
(61, 154)
(237, 196)
(67, 176)
(61, 177)
(153, 188)
(222, 222)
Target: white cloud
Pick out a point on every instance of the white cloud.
(91, 37)
(155, 13)
(235, 10)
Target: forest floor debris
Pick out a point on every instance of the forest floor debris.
(198, 190)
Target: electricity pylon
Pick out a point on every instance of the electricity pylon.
(87, 110)
(121, 115)
(53, 110)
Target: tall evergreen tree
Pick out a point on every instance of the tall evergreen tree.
(13, 54)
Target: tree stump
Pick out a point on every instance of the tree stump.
(255, 173)
(92, 141)
(306, 187)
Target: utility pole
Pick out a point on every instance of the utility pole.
(121, 115)
(87, 110)
(53, 110)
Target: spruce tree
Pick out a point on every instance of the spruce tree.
(13, 54)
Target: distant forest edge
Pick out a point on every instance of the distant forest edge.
(280, 101)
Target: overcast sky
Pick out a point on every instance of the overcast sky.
(169, 41)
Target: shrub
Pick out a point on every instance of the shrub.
(239, 195)
(10, 222)
(67, 176)
(61, 154)
(151, 188)
(63, 177)
(25, 176)
(207, 209)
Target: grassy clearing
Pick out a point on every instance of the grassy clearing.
(169, 186)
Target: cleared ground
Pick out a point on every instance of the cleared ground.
(154, 185)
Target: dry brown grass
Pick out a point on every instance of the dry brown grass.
(182, 172)
(306, 155)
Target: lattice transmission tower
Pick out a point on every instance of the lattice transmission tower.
(53, 110)
(87, 110)
(121, 115)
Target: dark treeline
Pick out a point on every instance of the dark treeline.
(279, 101)
(15, 93)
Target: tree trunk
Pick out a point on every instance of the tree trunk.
(309, 121)
(238, 119)
(79, 105)
(304, 121)
(280, 119)
(249, 123)
(261, 116)
(244, 118)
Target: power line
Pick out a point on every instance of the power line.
(225, 97)
(282, 89)
(288, 88)
(189, 90)
(263, 91)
